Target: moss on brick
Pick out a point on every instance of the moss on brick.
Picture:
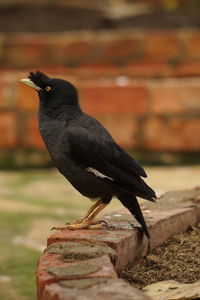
(82, 283)
(82, 250)
(75, 270)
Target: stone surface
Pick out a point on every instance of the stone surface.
(113, 289)
(173, 290)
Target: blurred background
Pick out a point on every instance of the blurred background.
(136, 65)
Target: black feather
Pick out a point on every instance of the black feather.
(132, 205)
(38, 77)
(79, 145)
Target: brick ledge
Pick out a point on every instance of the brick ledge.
(81, 264)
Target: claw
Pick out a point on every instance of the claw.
(82, 225)
(104, 222)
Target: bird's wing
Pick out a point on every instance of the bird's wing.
(93, 148)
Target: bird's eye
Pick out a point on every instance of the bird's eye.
(48, 88)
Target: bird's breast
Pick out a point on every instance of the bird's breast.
(54, 137)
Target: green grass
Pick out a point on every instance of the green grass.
(17, 261)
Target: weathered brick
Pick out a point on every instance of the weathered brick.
(148, 69)
(58, 279)
(111, 98)
(171, 134)
(128, 241)
(162, 46)
(186, 68)
(8, 130)
(7, 90)
(50, 263)
(124, 234)
(24, 55)
(27, 99)
(123, 128)
(121, 49)
(32, 137)
(112, 289)
(175, 97)
(79, 49)
(3, 85)
(193, 47)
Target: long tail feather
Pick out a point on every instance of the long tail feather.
(131, 203)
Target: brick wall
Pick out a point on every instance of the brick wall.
(143, 86)
(136, 53)
(143, 114)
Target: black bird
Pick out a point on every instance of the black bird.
(85, 153)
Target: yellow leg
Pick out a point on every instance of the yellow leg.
(92, 208)
(88, 220)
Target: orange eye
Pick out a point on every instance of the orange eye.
(48, 88)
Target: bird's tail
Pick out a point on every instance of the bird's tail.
(131, 203)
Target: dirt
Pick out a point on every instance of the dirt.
(176, 259)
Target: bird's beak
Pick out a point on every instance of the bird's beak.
(31, 84)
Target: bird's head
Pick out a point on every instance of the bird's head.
(52, 91)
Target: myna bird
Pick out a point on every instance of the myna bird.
(85, 153)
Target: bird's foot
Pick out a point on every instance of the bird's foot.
(82, 225)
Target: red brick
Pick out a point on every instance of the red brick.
(170, 222)
(27, 98)
(128, 243)
(123, 128)
(3, 86)
(173, 213)
(33, 139)
(7, 89)
(121, 49)
(112, 289)
(56, 55)
(187, 68)
(175, 97)
(79, 49)
(8, 130)
(44, 277)
(171, 134)
(24, 54)
(193, 47)
(162, 46)
(191, 134)
(149, 69)
(64, 53)
(108, 99)
(123, 240)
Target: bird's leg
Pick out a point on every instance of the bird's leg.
(88, 220)
(78, 221)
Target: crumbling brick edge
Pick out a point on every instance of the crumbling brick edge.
(82, 264)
